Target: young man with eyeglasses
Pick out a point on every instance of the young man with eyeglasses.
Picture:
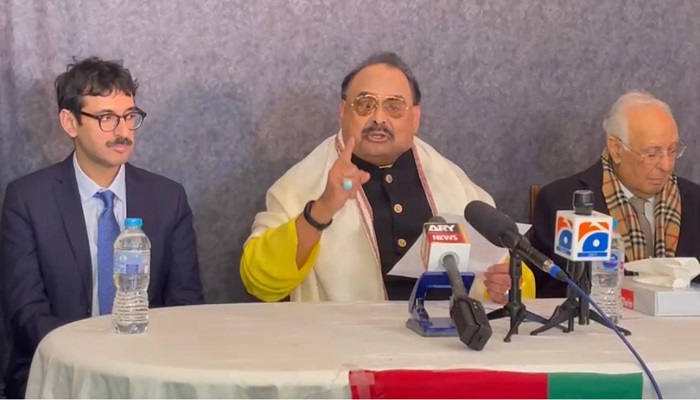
(339, 220)
(59, 224)
(658, 213)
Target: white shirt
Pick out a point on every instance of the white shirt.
(648, 207)
(92, 207)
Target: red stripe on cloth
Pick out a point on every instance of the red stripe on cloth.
(451, 384)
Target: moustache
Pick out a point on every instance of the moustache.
(375, 127)
(120, 141)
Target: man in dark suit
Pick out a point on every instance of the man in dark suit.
(658, 213)
(59, 224)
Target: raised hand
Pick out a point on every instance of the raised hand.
(344, 180)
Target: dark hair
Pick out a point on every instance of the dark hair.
(391, 59)
(91, 77)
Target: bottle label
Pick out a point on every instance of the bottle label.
(613, 263)
(132, 263)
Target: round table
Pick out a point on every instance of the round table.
(302, 350)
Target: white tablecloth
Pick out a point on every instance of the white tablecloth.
(306, 350)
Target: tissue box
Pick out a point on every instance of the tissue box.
(661, 301)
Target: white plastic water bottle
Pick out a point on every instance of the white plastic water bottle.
(132, 267)
(606, 278)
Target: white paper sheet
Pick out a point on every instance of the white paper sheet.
(483, 253)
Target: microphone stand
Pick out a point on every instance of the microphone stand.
(515, 309)
(575, 305)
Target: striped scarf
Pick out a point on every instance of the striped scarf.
(667, 215)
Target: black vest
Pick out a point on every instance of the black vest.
(400, 207)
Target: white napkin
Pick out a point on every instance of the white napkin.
(667, 272)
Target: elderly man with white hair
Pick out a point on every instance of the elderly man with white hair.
(658, 213)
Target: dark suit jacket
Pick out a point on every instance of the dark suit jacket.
(46, 257)
(557, 196)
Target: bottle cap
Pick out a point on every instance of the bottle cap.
(133, 223)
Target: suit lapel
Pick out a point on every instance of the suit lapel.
(592, 178)
(136, 198)
(140, 205)
(68, 199)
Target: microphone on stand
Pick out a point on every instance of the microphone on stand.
(581, 235)
(446, 247)
(502, 231)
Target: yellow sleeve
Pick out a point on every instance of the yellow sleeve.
(268, 266)
(528, 285)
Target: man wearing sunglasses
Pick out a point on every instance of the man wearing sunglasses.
(339, 220)
(59, 224)
(658, 213)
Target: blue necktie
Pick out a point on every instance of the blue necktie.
(107, 232)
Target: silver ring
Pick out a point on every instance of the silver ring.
(506, 293)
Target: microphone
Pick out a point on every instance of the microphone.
(583, 234)
(501, 231)
(446, 247)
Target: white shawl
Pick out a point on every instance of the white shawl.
(348, 266)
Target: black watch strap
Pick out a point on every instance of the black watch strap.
(311, 221)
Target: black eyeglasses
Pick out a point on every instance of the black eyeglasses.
(110, 122)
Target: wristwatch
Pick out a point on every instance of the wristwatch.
(311, 220)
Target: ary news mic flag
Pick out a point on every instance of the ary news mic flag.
(446, 248)
(441, 238)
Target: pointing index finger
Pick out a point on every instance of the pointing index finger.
(349, 147)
